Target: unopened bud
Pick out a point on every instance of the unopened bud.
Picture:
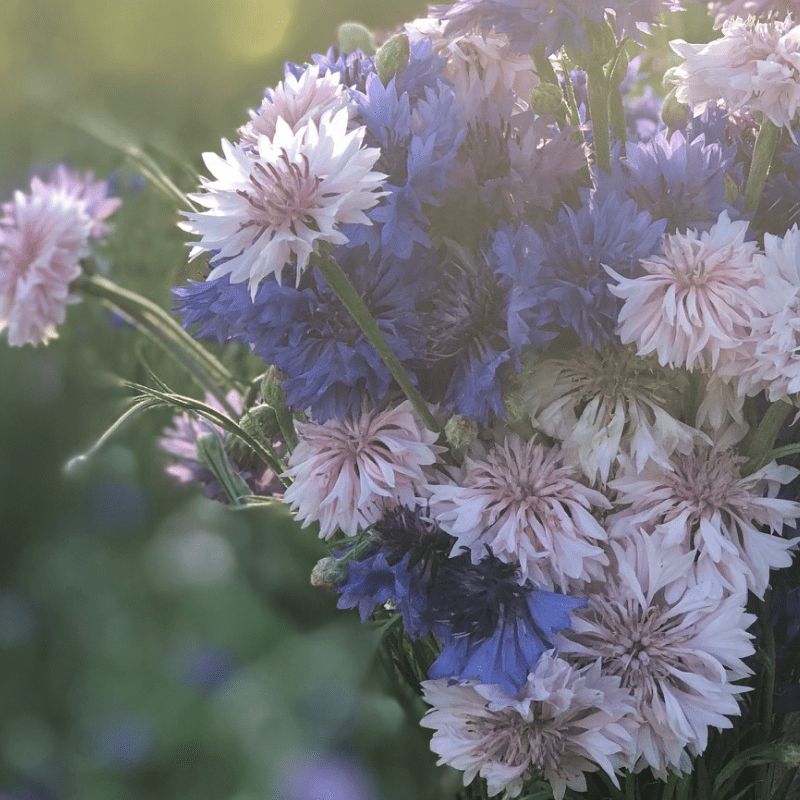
(353, 36)
(392, 57)
(790, 754)
(460, 431)
(272, 387)
(546, 98)
(674, 113)
(326, 573)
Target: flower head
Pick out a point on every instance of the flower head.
(753, 66)
(729, 9)
(676, 647)
(693, 304)
(563, 723)
(701, 503)
(43, 236)
(529, 508)
(346, 475)
(276, 203)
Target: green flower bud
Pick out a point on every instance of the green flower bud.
(392, 57)
(602, 46)
(674, 114)
(355, 36)
(547, 98)
(327, 573)
(271, 388)
(460, 431)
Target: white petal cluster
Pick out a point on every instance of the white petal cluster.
(297, 101)
(274, 204)
(676, 646)
(346, 475)
(481, 66)
(729, 9)
(43, 235)
(754, 66)
(694, 305)
(530, 508)
(564, 723)
(702, 504)
(604, 406)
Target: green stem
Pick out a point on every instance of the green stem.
(352, 301)
(618, 124)
(764, 438)
(769, 679)
(544, 67)
(764, 149)
(597, 87)
(207, 371)
(781, 452)
(574, 112)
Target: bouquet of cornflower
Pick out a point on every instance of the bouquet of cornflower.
(530, 338)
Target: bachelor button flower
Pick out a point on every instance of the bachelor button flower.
(680, 181)
(531, 509)
(492, 627)
(754, 66)
(43, 236)
(771, 360)
(295, 100)
(276, 203)
(729, 9)
(563, 723)
(703, 504)
(605, 405)
(346, 475)
(551, 24)
(93, 194)
(572, 285)
(677, 648)
(693, 305)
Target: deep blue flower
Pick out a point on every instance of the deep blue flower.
(353, 68)
(492, 628)
(571, 286)
(677, 180)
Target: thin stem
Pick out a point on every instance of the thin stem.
(764, 437)
(597, 87)
(207, 371)
(352, 301)
(766, 142)
(768, 641)
(618, 124)
(781, 452)
(574, 111)
(544, 67)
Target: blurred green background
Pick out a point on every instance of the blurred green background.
(152, 643)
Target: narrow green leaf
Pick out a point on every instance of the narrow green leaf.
(212, 453)
(781, 790)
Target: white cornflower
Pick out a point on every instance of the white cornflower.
(606, 405)
(564, 722)
(771, 359)
(702, 503)
(530, 508)
(295, 101)
(481, 66)
(676, 647)
(694, 304)
(43, 236)
(346, 475)
(728, 9)
(275, 204)
(754, 66)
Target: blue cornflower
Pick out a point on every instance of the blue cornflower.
(414, 120)
(677, 180)
(492, 628)
(404, 559)
(468, 343)
(353, 68)
(571, 286)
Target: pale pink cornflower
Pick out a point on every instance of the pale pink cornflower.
(295, 100)
(770, 361)
(754, 66)
(530, 508)
(605, 405)
(82, 187)
(564, 723)
(693, 304)
(729, 9)
(703, 504)
(43, 236)
(346, 475)
(677, 647)
(481, 66)
(276, 203)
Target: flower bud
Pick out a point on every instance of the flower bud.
(327, 573)
(271, 388)
(460, 431)
(674, 113)
(355, 36)
(547, 99)
(392, 57)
